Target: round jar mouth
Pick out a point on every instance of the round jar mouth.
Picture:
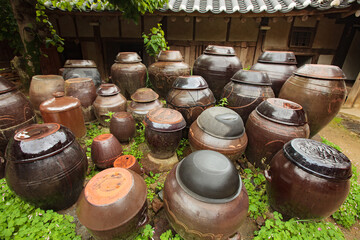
(252, 77)
(107, 89)
(278, 57)
(193, 82)
(78, 80)
(170, 56)
(127, 57)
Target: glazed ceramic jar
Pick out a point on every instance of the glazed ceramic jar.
(219, 129)
(122, 126)
(320, 89)
(84, 90)
(46, 166)
(204, 197)
(279, 66)
(274, 122)
(163, 73)
(15, 111)
(113, 204)
(66, 111)
(82, 69)
(217, 65)
(105, 148)
(308, 179)
(163, 131)
(109, 99)
(128, 162)
(128, 73)
(143, 101)
(43, 86)
(246, 90)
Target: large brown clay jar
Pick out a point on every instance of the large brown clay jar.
(163, 73)
(128, 73)
(122, 126)
(143, 101)
(308, 179)
(274, 122)
(320, 89)
(217, 65)
(82, 69)
(246, 90)
(279, 65)
(46, 166)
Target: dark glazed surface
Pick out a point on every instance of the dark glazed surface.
(321, 71)
(122, 125)
(251, 77)
(127, 57)
(164, 120)
(104, 150)
(81, 69)
(170, 56)
(281, 57)
(144, 95)
(140, 109)
(162, 144)
(193, 82)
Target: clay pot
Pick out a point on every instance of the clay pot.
(82, 69)
(15, 111)
(105, 149)
(246, 90)
(43, 86)
(113, 204)
(219, 129)
(109, 99)
(278, 65)
(143, 101)
(163, 131)
(84, 90)
(122, 126)
(274, 122)
(128, 162)
(163, 73)
(128, 73)
(46, 166)
(320, 89)
(205, 190)
(308, 179)
(217, 65)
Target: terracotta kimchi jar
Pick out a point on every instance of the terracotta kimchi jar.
(320, 89)
(143, 101)
(46, 166)
(128, 162)
(128, 73)
(308, 179)
(108, 100)
(43, 86)
(219, 129)
(64, 110)
(204, 197)
(163, 73)
(113, 204)
(122, 125)
(15, 111)
(84, 90)
(82, 69)
(246, 90)
(217, 65)
(105, 149)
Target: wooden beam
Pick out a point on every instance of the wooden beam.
(344, 45)
(354, 93)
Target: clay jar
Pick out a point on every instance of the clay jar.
(84, 90)
(163, 73)
(217, 65)
(105, 149)
(143, 101)
(308, 179)
(219, 129)
(15, 111)
(43, 86)
(246, 90)
(320, 89)
(204, 197)
(163, 131)
(128, 162)
(274, 122)
(113, 204)
(46, 166)
(109, 99)
(279, 66)
(66, 111)
(128, 73)
(122, 126)
(82, 69)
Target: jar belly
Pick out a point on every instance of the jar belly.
(162, 144)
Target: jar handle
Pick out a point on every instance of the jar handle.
(267, 175)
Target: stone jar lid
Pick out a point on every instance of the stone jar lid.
(6, 86)
(220, 50)
(79, 64)
(144, 95)
(170, 56)
(127, 57)
(193, 82)
(107, 89)
(252, 77)
(165, 120)
(280, 57)
(321, 71)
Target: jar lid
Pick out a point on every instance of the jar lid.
(78, 80)
(220, 50)
(78, 63)
(281, 57)
(144, 95)
(60, 103)
(221, 122)
(209, 176)
(125, 161)
(252, 77)
(318, 158)
(6, 86)
(170, 56)
(107, 89)
(321, 71)
(164, 120)
(193, 82)
(127, 57)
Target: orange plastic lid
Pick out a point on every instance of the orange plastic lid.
(125, 161)
(103, 137)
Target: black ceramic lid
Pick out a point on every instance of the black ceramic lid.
(107, 89)
(164, 120)
(170, 56)
(321, 71)
(193, 82)
(6, 86)
(80, 64)
(280, 57)
(209, 176)
(144, 95)
(220, 50)
(282, 111)
(127, 57)
(318, 158)
(221, 122)
(252, 77)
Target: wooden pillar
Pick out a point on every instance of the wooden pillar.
(344, 45)
(99, 50)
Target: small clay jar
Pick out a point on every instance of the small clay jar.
(246, 90)
(143, 101)
(82, 69)
(108, 100)
(105, 149)
(274, 122)
(122, 126)
(308, 179)
(128, 162)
